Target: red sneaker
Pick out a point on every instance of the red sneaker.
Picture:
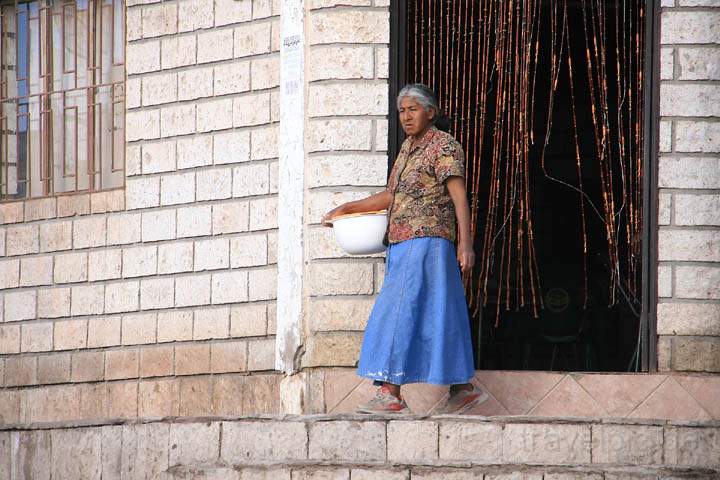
(461, 401)
(383, 403)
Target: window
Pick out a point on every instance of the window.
(61, 97)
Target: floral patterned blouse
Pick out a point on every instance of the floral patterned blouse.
(422, 206)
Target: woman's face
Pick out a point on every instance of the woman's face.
(414, 118)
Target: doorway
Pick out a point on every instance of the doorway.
(550, 102)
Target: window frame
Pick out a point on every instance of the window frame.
(116, 104)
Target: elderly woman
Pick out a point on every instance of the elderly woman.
(419, 330)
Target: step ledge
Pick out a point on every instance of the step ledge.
(488, 468)
(505, 419)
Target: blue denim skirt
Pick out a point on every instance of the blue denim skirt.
(418, 330)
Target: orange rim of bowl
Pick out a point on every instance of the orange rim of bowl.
(358, 214)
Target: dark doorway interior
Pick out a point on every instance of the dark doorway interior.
(589, 320)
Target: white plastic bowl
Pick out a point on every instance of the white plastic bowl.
(361, 233)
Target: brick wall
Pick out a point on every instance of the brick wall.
(689, 180)
(347, 106)
(347, 159)
(158, 299)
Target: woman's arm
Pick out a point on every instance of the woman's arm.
(379, 201)
(465, 253)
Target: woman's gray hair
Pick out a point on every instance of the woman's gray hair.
(422, 94)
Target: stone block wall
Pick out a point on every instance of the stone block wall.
(158, 298)
(346, 141)
(320, 447)
(347, 106)
(688, 313)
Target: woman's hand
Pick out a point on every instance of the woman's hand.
(465, 253)
(379, 201)
(337, 211)
(466, 257)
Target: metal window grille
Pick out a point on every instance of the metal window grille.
(62, 92)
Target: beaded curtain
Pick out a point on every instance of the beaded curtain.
(486, 61)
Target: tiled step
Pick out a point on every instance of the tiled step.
(665, 396)
(364, 447)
